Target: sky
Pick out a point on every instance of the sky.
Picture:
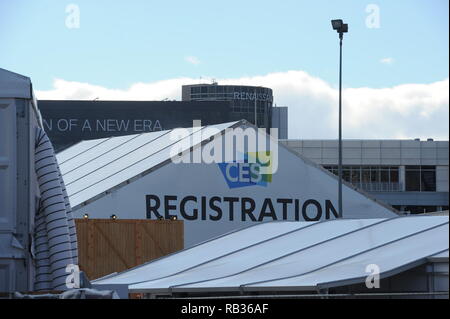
(395, 56)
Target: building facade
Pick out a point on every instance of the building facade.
(243, 100)
(280, 121)
(68, 122)
(410, 175)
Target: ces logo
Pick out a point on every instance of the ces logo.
(254, 169)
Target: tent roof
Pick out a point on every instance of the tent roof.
(13, 85)
(92, 168)
(293, 256)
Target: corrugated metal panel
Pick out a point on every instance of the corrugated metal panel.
(18, 118)
(8, 135)
(295, 255)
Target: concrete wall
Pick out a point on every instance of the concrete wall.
(442, 178)
(374, 152)
(398, 153)
(280, 121)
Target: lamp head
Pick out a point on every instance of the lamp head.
(344, 28)
(336, 24)
(339, 26)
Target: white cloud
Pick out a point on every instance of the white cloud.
(387, 60)
(192, 60)
(403, 111)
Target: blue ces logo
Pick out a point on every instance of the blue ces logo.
(249, 172)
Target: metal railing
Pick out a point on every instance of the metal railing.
(380, 187)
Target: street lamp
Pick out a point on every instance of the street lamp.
(256, 112)
(340, 28)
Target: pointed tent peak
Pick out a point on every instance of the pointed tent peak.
(14, 85)
(93, 168)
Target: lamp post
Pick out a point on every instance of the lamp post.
(340, 28)
(256, 112)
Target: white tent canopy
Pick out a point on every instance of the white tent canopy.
(293, 256)
(91, 168)
(135, 177)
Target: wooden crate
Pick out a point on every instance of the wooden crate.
(106, 246)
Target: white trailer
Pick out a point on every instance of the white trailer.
(19, 117)
(37, 232)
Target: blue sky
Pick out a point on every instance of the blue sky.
(123, 42)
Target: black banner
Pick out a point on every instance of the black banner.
(68, 122)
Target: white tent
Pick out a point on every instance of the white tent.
(293, 256)
(135, 177)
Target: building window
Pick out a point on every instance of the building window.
(356, 175)
(420, 178)
(365, 175)
(370, 178)
(374, 174)
(428, 179)
(384, 175)
(412, 178)
(346, 173)
(393, 174)
(195, 90)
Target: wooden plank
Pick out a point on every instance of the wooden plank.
(138, 243)
(90, 261)
(107, 246)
